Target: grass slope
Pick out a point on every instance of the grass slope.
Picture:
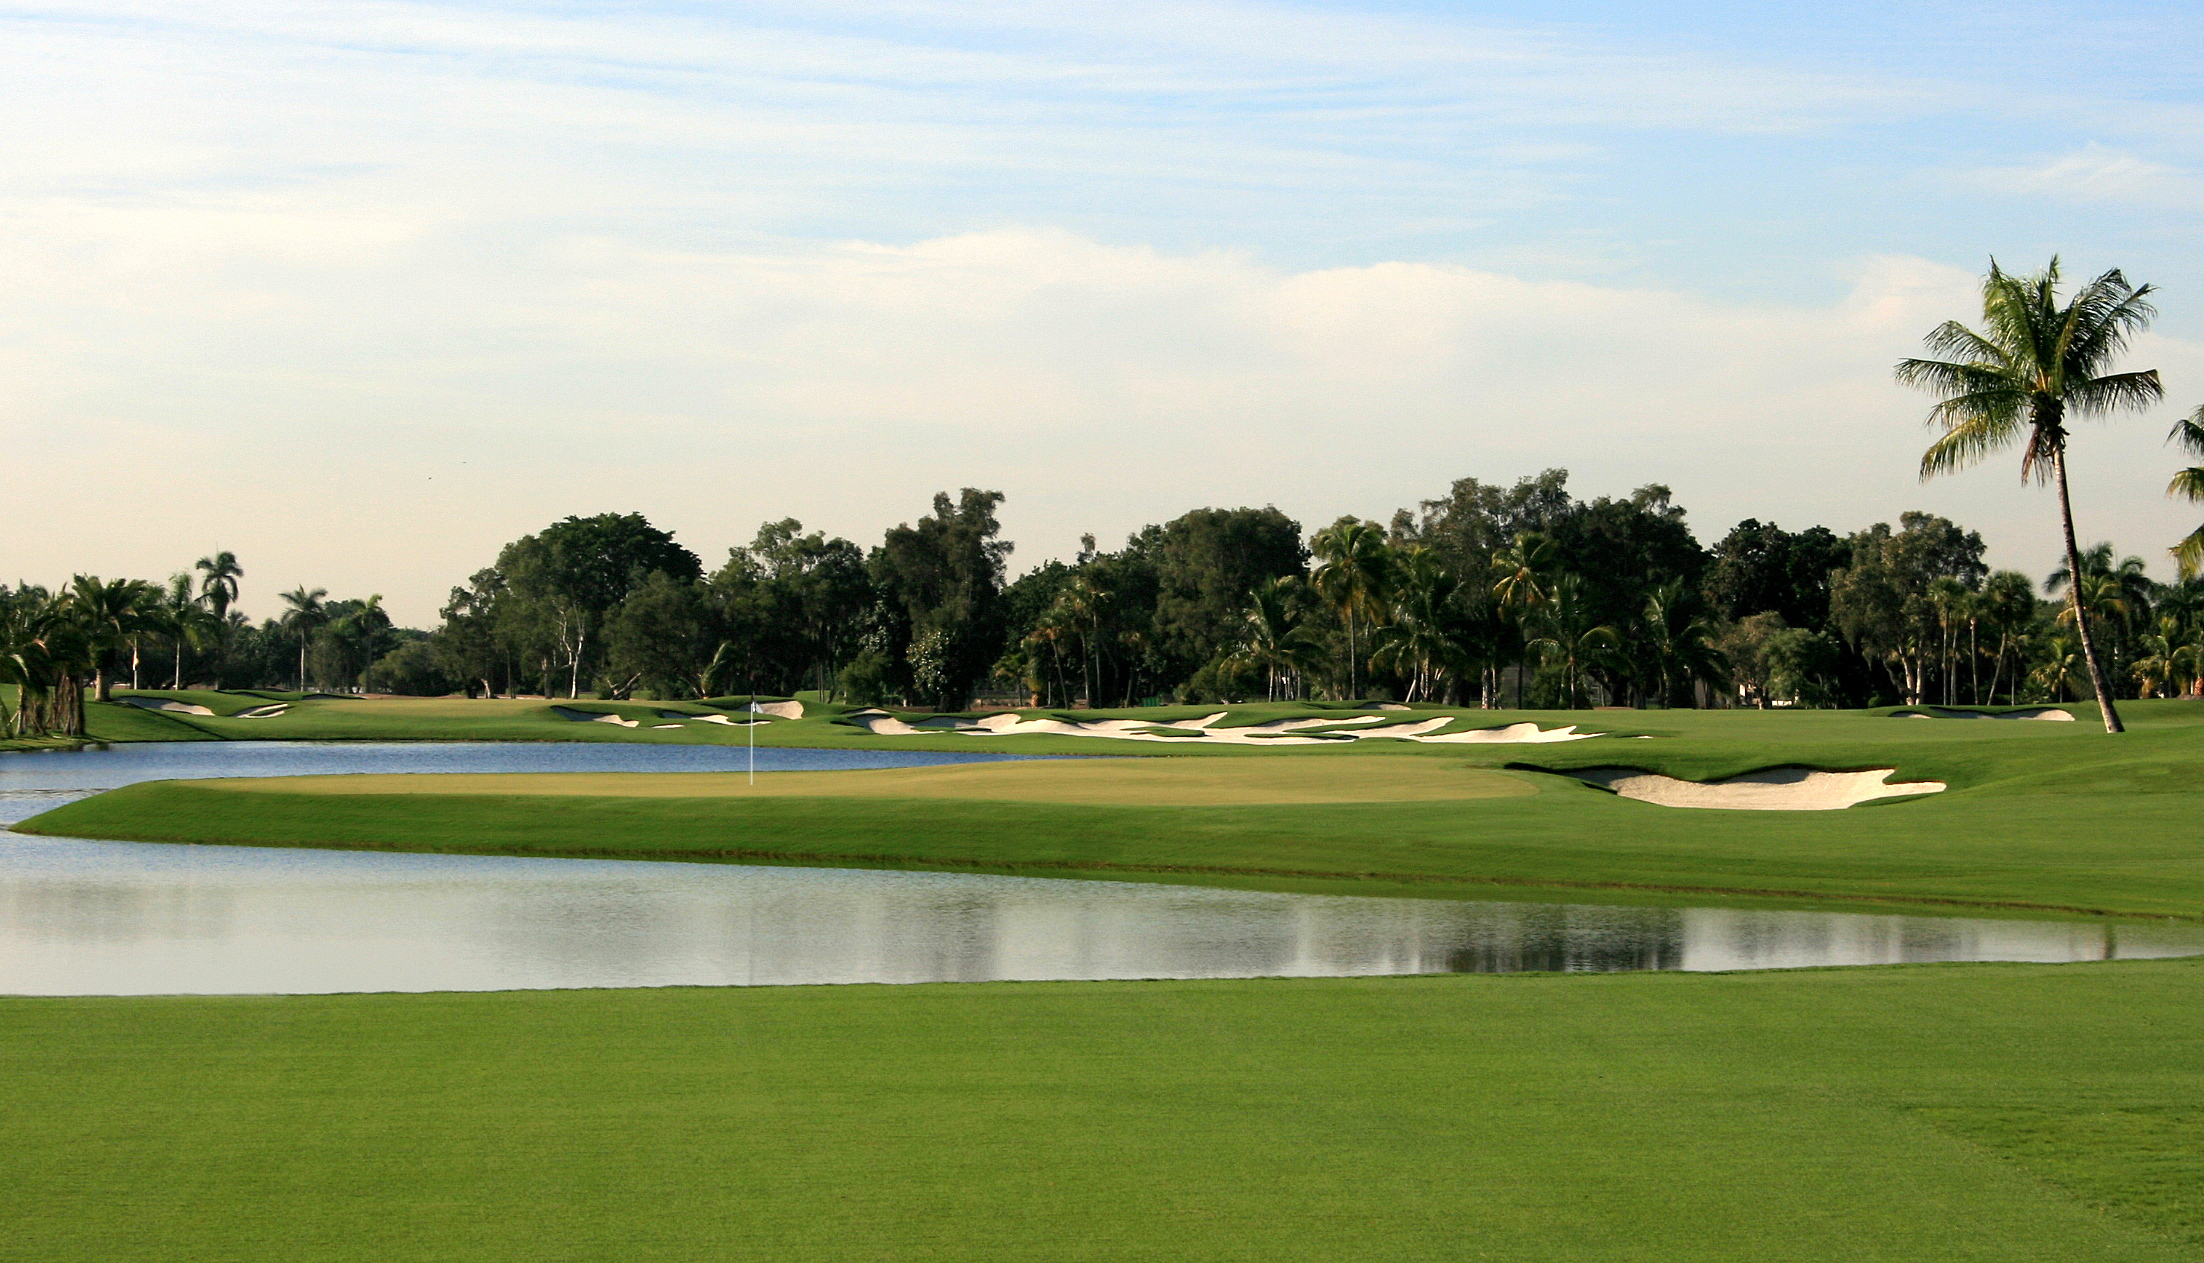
(2043, 816)
(2002, 1114)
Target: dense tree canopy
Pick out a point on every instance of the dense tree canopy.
(1501, 595)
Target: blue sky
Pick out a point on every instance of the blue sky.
(417, 278)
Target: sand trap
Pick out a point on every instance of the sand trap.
(1771, 789)
(655, 726)
(2050, 713)
(263, 712)
(162, 703)
(1276, 732)
(592, 717)
(1514, 734)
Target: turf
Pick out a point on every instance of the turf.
(1079, 782)
(2039, 817)
(1994, 1113)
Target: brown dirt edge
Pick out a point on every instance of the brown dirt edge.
(955, 864)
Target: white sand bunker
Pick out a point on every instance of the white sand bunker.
(163, 703)
(263, 712)
(2051, 713)
(1276, 732)
(1770, 789)
(592, 717)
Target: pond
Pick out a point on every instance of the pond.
(82, 917)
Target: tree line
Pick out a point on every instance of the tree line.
(1494, 596)
(1498, 596)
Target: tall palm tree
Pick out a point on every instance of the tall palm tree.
(1522, 577)
(364, 625)
(2035, 363)
(2188, 432)
(218, 588)
(178, 615)
(2008, 605)
(109, 614)
(307, 612)
(219, 584)
(1271, 636)
(1353, 573)
(2062, 667)
(1572, 641)
(1681, 640)
(2164, 659)
(1425, 636)
(44, 650)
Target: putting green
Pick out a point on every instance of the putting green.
(1078, 782)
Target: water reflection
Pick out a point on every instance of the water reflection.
(80, 917)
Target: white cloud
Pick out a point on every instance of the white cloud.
(2099, 174)
(1101, 386)
(362, 290)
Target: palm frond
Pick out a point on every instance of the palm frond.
(2116, 391)
(2189, 433)
(2103, 316)
(2188, 555)
(1954, 340)
(1957, 377)
(1966, 442)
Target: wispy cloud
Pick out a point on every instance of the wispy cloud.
(2099, 174)
(426, 275)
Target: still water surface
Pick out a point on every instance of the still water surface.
(116, 918)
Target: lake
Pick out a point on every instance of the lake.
(117, 918)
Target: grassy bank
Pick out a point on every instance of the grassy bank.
(1994, 1113)
(2038, 816)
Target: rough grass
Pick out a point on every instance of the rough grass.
(2006, 1114)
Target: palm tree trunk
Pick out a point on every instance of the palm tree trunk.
(2074, 588)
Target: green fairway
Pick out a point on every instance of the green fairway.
(1993, 1113)
(2040, 816)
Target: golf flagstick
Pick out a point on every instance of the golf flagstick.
(755, 710)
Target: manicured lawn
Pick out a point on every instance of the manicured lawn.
(1993, 1113)
(2039, 815)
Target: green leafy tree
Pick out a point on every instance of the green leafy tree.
(2036, 363)
(1759, 567)
(662, 639)
(562, 583)
(941, 581)
(1207, 564)
(1885, 602)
